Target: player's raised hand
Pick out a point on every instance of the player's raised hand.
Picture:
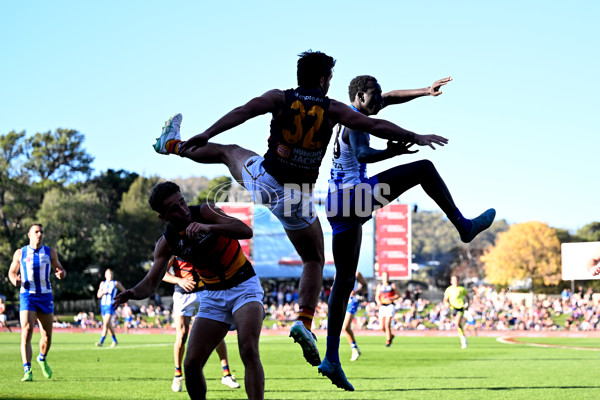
(434, 90)
(194, 142)
(430, 140)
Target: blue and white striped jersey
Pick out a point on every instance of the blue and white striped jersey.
(36, 266)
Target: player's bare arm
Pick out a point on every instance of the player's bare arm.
(148, 285)
(341, 113)
(217, 221)
(59, 271)
(188, 284)
(13, 271)
(366, 154)
(403, 96)
(271, 102)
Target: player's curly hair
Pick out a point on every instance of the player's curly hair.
(312, 66)
(359, 84)
(160, 192)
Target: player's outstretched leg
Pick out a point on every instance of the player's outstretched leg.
(335, 373)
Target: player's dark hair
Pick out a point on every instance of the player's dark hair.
(312, 66)
(35, 224)
(359, 84)
(159, 193)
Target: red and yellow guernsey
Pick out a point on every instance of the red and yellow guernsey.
(216, 260)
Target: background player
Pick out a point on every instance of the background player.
(30, 270)
(385, 295)
(457, 298)
(185, 306)
(351, 310)
(106, 293)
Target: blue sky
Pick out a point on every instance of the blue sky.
(519, 114)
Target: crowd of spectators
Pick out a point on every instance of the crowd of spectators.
(491, 311)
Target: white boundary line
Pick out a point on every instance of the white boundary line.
(511, 340)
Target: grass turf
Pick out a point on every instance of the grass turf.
(412, 368)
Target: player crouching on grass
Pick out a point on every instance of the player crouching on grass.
(208, 238)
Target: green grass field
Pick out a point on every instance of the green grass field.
(413, 368)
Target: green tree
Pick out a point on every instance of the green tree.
(590, 232)
(217, 191)
(71, 220)
(527, 250)
(127, 245)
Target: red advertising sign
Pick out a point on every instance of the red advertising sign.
(243, 212)
(393, 251)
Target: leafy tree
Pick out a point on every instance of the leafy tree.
(527, 250)
(71, 220)
(467, 257)
(57, 156)
(433, 236)
(127, 246)
(217, 191)
(590, 232)
(110, 187)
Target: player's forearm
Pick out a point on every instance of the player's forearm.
(230, 120)
(373, 155)
(403, 96)
(169, 278)
(387, 130)
(234, 230)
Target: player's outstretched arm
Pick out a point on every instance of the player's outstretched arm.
(340, 113)
(366, 154)
(149, 284)
(271, 101)
(403, 96)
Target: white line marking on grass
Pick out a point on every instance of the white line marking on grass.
(513, 340)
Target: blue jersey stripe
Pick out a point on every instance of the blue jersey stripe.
(24, 276)
(36, 271)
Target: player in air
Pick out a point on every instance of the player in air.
(301, 128)
(106, 293)
(30, 270)
(353, 196)
(457, 298)
(208, 238)
(186, 303)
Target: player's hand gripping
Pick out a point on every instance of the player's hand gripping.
(193, 143)
(399, 148)
(188, 284)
